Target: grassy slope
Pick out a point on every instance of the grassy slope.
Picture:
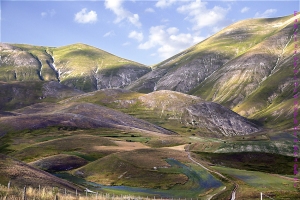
(21, 174)
(229, 43)
(273, 100)
(133, 168)
(251, 183)
(19, 94)
(168, 109)
(267, 99)
(28, 66)
(79, 64)
(130, 103)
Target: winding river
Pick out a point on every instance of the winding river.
(199, 182)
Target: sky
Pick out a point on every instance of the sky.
(147, 32)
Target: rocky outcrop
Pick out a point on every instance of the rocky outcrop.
(181, 78)
(219, 119)
(17, 65)
(119, 78)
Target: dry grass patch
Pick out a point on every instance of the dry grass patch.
(122, 146)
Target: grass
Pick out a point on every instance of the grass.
(61, 162)
(81, 143)
(248, 93)
(79, 65)
(79, 61)
(19, 94)
(134, 168)
(255, 161)
(45, 193)
(262, 181)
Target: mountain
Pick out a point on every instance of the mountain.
(173, 110)
(79, 66)
(247, 67)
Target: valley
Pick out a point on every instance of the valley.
(212, 122)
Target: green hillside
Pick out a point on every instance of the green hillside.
(79, 66)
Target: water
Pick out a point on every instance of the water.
(199, 182)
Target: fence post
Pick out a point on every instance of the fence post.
(56, 197)
(8, 185)
(24, 193)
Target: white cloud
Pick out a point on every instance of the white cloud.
(150, 10)
(135, 35)
(126, 44)
(168, 41)
(164, 3)
(172, 30)
(116, 7)
(245, 9)
(201, 16)
(265, 14)
(86, 17)
(51, 13)
(110, 33)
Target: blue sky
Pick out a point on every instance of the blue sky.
(144, 31)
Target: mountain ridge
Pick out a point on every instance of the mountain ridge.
(79, 65)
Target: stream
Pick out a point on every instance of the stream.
(199, 182)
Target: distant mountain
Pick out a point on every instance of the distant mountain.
(80, 66)
(247, 66)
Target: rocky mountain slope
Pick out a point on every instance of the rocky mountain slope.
(247, 67)
(169, 107)
(80, 66)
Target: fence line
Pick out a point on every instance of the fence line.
(28, 193)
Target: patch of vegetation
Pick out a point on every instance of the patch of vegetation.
(255, 161)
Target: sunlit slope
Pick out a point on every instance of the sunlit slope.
(88, 68)
(186, 70)
(80, 66)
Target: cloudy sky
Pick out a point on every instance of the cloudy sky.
(144, 31)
